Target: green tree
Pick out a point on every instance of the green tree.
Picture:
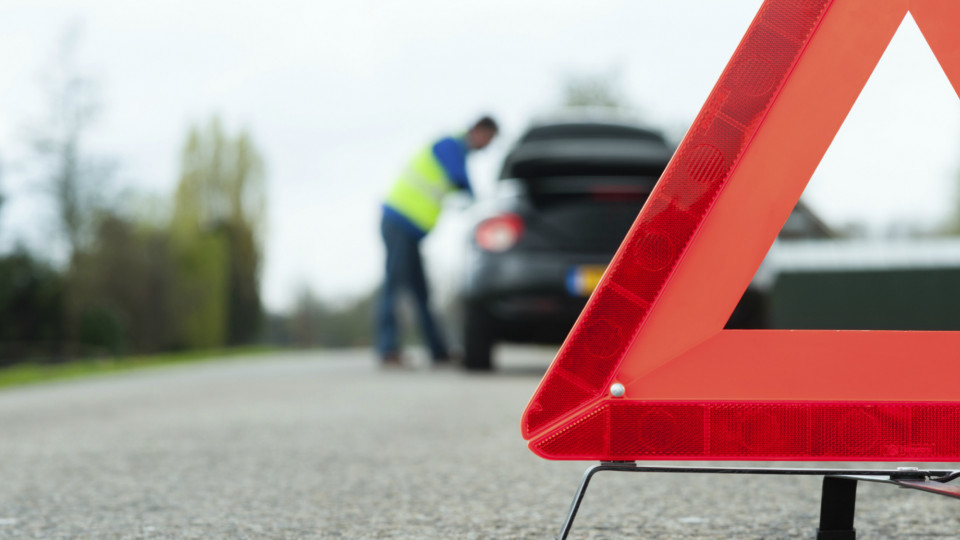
(31, 308)
(951, 226)
(136, 313)
(2, 198)
(217, 227)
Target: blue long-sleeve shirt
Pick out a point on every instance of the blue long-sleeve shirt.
(452, 154)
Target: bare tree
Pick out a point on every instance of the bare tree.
(74, 178)
(65, 169)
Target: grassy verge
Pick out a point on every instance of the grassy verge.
(29, 373)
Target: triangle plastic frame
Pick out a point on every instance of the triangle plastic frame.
(693, 390)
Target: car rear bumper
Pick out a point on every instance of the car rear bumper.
(530, 295)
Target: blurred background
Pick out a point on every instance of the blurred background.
(180, 176)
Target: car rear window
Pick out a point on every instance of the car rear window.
(581, 157)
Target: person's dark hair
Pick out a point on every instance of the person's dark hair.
(487, 122)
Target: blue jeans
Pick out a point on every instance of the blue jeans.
(404, 272)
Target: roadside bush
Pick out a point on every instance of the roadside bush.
(31, 309)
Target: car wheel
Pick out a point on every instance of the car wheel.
(479, 337)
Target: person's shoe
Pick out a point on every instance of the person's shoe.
(451, 361)
(392, 361)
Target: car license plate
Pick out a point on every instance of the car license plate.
(582, 280)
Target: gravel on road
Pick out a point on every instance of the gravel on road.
(323, 444)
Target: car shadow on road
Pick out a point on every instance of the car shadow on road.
(522, 360)
(515, 371)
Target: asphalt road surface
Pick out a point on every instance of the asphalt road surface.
(325, 445)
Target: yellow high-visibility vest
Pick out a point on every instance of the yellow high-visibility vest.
(418, 193)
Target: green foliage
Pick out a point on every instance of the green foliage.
(201, 290)
(221, 181)
(217, 229)
(126, 287)
(147, 284)
(951, 226)
(101, 329)
(33, 372)
(244, 317)
(135, 277)
(31, 308)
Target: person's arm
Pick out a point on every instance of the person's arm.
(452, 157)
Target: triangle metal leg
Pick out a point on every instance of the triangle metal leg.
(837, 505)
(838, 500)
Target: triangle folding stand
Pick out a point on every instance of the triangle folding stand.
(648, 372)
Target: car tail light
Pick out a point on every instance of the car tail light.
(499, 233)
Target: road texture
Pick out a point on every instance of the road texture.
(324, 445)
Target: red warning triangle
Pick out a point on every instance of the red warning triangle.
(654, 327)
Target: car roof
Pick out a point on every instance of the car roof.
(589, 130)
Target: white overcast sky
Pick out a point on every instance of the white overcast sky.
(338, 93)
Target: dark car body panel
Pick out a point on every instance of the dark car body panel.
(577, 188)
